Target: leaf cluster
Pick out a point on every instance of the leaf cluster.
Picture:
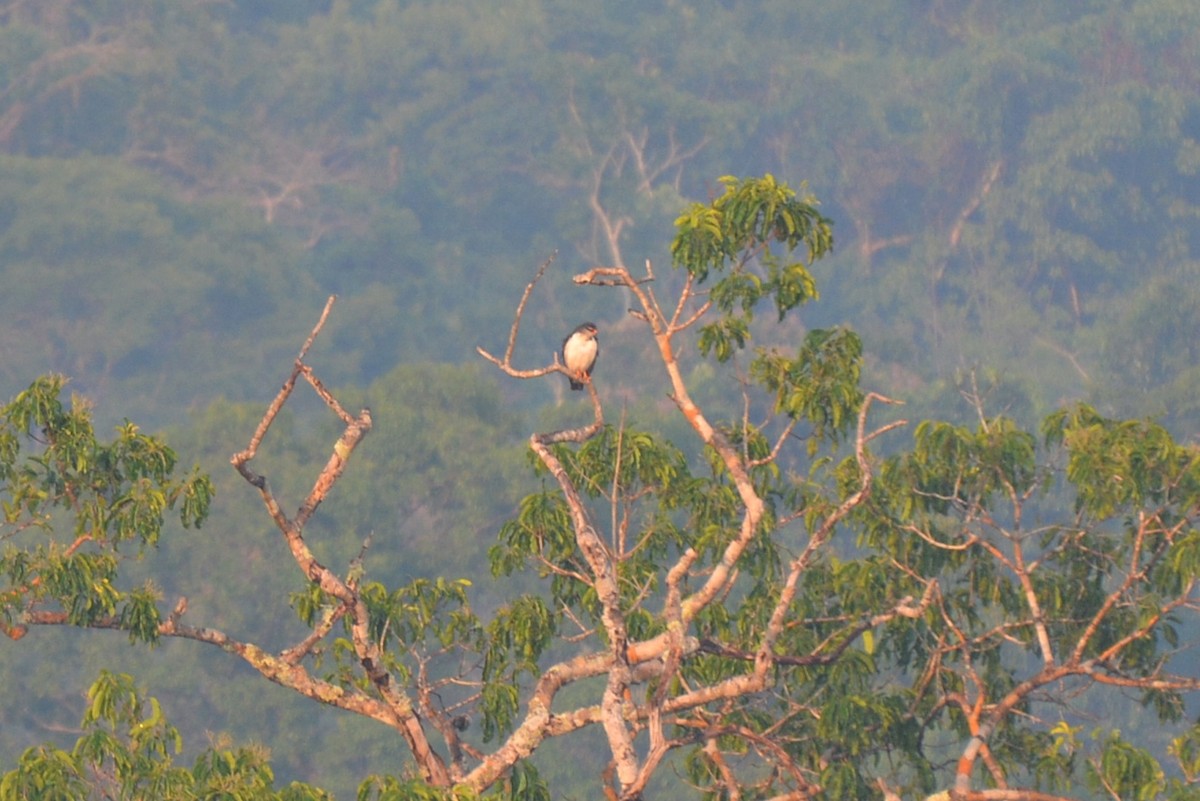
(56, 471)
(128, 750)
(734, 237)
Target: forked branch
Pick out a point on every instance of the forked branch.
(505, 363)
(400, 713)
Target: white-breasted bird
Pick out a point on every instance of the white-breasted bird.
(579, 352)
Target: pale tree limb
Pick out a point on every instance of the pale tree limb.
(964, 214)
(535, 727)
(1012, 795)
(624, 144)
(612, 227)
(604, 581)
(1094, 669)
(988, 180)
(728, 779)
(664, 332)
(1133, 576)
(674, 158)
(285, 392)
(626, 663)
(505, 362)
(280, 669)
(737, 465)
(819, 537)
(516, 325)
(401, 714)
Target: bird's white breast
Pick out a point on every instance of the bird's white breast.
(580, 352)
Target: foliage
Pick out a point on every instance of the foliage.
(1016, 225)
(110, 494)
(127, 751)
(711, 605)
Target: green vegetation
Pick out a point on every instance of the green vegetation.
(1014, 201)
(706, 614)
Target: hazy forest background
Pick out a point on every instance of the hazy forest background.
(1015, 196)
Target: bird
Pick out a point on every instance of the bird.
(579, 352)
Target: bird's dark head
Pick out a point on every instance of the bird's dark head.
(589, 329)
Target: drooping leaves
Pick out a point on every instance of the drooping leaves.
(735, 238)
(58, 474)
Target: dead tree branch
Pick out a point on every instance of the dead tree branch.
(400, 713)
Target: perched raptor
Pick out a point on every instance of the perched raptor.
(579, 352)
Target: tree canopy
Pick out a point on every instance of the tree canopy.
(773, 606)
